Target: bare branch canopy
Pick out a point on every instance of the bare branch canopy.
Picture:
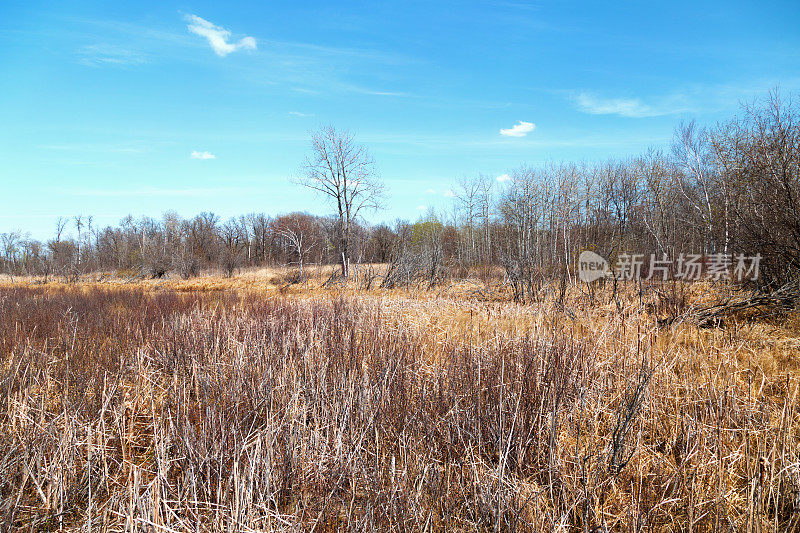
(343, 171)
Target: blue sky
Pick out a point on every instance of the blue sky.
(109, 109)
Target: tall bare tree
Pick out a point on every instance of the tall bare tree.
(467, 197)
(697, 179)
(344, 172)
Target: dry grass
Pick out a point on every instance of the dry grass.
(254, 279)
(171, 407)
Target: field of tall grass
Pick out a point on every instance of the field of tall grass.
(157, 408)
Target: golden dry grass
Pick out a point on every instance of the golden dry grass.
(250, 404)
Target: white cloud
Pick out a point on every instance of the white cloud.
(218, 37)
(422, 207)
(449, 193)
(519, 130)
(203, 155)
(299, 114)
(430, 191)
(625, 107)
(502, 178)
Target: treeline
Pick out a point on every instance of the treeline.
(153, 248)
(733, 188)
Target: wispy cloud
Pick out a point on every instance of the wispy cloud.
(218, 37)
(134, 148)
(502, 178)
(202, 155)
(629, 107)
(519, 130)
(299, 114)
(301, 67)
(107, 54)
(157, 191)
(449, 193)
(422, 207)
(413, 144)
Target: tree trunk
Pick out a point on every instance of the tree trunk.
(345, 243)
(345, 257)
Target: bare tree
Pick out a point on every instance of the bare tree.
(345, 172)
(523, 209)
(243, 227)
(55, 261)
(485, 202)
(259, 229)
(294, 238)
(154, 252)
(758, 155)
(79, 223)
(10, 247)
(230, 255)
(697, 178)
(467, 196)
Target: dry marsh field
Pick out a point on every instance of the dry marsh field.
(142, 407)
